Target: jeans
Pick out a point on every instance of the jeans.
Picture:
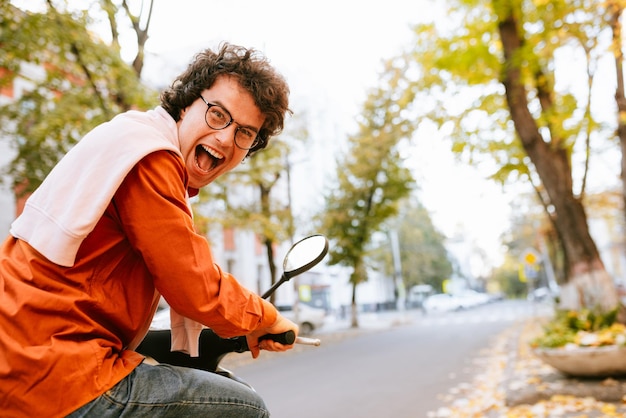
(170, 391)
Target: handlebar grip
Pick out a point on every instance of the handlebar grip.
(286, 338)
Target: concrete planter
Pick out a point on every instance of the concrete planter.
(604, 361)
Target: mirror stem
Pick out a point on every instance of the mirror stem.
(272, 289)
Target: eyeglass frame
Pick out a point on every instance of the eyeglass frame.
(255, 142)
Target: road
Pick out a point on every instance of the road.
(400, 372)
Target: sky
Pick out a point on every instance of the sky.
(331, 52)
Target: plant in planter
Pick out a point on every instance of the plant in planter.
(583, 343)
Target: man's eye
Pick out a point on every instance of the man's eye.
(218, 114)
(248, 133)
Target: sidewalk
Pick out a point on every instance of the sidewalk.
(533, 387)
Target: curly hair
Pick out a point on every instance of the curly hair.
(255, 74)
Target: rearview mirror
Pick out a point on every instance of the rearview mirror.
(302, 256)
(305, 254)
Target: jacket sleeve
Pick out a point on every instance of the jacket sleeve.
(157, 221)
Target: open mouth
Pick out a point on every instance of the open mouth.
(207, 159)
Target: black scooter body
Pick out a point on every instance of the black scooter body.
(212, 349)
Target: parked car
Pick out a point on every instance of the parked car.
(309, 318)
(442, 302)
(539, 294)
(470, 298)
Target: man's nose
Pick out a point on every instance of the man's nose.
(227, 134)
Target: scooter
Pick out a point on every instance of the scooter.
(301, 257)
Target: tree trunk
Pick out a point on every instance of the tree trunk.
(588, 283)
(269, 247)
(356, 277)
(268, 241)
(354, 311)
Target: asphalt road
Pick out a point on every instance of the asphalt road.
(399, 372)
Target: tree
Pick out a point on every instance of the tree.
(74, 81)
(423, 256)
(144, 15)
(370, 182)
(507, 278)
(500, 68)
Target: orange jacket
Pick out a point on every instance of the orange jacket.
(65, 331)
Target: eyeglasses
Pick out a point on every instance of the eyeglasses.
(216, 117)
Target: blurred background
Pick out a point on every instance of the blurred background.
(402, 148)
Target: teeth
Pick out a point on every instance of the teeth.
(213, 153)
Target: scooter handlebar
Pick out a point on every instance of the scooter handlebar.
(286, 338)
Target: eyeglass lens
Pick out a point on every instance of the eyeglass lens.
(218, 118)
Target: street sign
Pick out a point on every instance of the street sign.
(530, 256)
(529, 265)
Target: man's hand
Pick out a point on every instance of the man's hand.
(281, 325)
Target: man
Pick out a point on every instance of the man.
(110, 231)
